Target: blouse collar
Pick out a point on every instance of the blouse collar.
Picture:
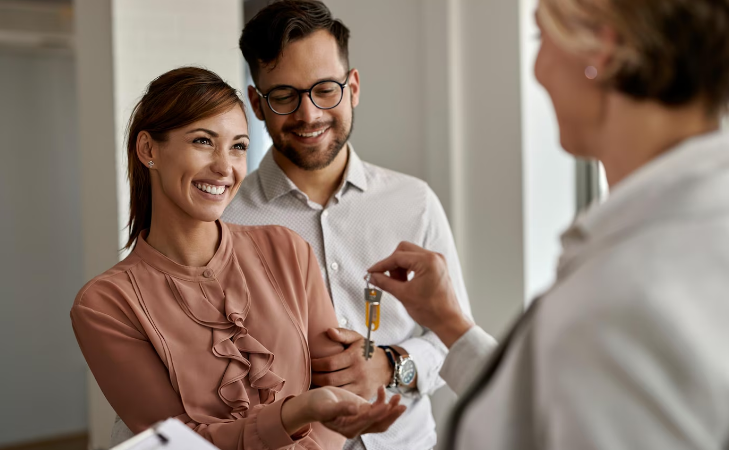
(164, 264)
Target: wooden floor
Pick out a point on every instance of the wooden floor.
(71, 442)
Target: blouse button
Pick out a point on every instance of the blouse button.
(208, 273)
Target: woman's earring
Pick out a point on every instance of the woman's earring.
(591, 72)
(151, 163)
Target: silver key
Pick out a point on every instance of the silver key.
(372, 299)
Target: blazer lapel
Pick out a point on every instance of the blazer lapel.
(490, 369)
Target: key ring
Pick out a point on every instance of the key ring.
(368, 277)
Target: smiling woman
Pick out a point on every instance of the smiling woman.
(173, 103)
(210, 323)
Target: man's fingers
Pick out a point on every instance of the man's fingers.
(332, 363)
(399, 274)
(336, 379)
(388, 284)
(344, 336)
(399, 260)
(409, 247)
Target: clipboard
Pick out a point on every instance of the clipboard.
(168, 435)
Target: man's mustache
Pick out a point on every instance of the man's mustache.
(308, 127)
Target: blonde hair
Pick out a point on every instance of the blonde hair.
(672, 51)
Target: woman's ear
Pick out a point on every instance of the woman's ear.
(603, 57)
(146, 149)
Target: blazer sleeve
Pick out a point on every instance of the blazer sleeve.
(136, 383)
(625, 378)
(467, 358)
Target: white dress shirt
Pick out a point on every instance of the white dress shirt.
(628, 350)
(370, 214)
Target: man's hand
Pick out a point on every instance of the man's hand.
(429, 296)
(349, 370)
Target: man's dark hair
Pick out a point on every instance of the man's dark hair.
(283, 22)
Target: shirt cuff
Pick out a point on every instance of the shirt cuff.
(428, 360)
(271, 430)
(466, 358)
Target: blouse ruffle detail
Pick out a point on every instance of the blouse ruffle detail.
(231, 340)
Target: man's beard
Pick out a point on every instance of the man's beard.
(312, 158)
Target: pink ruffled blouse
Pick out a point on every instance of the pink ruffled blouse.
(219, 347)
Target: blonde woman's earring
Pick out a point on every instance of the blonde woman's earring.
(591, 72)
(151, 163)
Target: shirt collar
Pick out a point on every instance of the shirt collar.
(355, 173)
(275, 183)
(646, 193)
(656, 191)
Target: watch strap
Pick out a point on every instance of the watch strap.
(394, 359)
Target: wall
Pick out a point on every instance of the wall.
(549, 171)
(199, 35)
(385, 46)
(41, 269)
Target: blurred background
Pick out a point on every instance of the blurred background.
(448, 96)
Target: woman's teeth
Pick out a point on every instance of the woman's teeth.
(311, 135)
(215, 190)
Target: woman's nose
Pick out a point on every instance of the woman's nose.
(222, 164)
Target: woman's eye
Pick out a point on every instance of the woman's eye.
(240, 146)
(202, 140)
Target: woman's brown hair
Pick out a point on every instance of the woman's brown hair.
(173, 100)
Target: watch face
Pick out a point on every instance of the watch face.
(407, 371)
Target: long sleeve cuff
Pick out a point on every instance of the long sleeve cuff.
(270, 428)
(428, 352)
(467, 358)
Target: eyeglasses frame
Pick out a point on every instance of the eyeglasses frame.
(301, 92)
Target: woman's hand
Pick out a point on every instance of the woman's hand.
(341, 411)
(428, 296)
(368, 418)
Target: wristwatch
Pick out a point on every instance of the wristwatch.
(404, 370)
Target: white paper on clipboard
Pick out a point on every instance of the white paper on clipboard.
(168, 435)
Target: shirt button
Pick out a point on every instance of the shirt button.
(325, 213)
(335, 266)
(208, 273)
(343, 322)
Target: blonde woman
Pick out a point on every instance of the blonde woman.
(628, 349)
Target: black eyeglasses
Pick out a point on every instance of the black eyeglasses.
(284, 100)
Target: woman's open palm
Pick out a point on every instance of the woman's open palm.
(350, 415)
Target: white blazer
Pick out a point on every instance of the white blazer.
(630, 347)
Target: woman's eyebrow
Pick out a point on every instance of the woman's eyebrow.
(211, 133)
(241, 136)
